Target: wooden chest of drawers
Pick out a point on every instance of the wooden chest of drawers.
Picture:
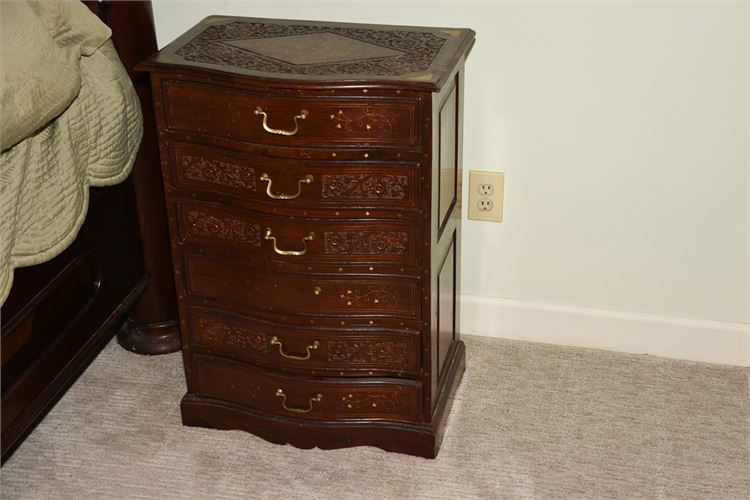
(312, 181)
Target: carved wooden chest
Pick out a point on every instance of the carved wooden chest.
(312, 180)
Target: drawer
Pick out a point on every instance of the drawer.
(309, 351)
(282, 118)
(276, 182)
(299, 239)
(301, 397)
(302, 294)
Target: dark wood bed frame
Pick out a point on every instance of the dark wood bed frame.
(117, 275)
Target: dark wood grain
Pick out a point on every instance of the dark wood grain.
(421, 439)
(376, 241)
(152, 325)
(59, 314)
(335, 352)
(308, 295)
(329, 121)
(334, 185)
(424, 59)
(340, 398)
(86, 293)
(357, 300)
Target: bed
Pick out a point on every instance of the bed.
(103, 266)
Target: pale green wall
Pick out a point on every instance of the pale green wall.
(623, 131)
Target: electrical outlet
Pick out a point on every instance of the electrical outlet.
(486, 190)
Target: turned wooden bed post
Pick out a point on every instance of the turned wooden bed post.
(152, 327)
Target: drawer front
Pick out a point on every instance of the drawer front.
(301, 397)
(299, 239)
(305, 295)
(298, 183)
(310, 351)
(240, 114)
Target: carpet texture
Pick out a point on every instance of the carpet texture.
(529, 421)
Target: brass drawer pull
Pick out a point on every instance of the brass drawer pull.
(270, 237)
(301, 116)
(312, 347)
(314, 399)
(306, 180)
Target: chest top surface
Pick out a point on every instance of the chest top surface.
(314, 52)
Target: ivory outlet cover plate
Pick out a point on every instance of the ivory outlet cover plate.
(486, 191)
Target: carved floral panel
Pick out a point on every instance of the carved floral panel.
(365, 186)
(218, 172)
(366, 242)
(401, 52)
(217, 331)
(226, 228)
(363, 351)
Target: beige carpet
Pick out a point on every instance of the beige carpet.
(529, 421)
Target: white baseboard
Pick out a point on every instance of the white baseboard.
(666, 336)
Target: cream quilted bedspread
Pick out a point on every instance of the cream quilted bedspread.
(45, 178)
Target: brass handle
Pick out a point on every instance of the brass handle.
(301, 116)
(271, 237)
(306, 180)
(314, 399)
(275, 341)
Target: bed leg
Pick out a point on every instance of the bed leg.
(152, 327)
(149, 338)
